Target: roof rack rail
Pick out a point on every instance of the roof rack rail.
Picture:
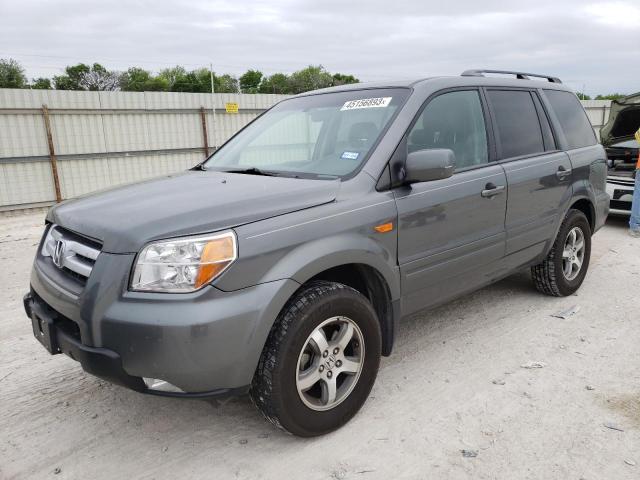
(519, 75)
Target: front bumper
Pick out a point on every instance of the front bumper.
(205, 343)
(621, 192)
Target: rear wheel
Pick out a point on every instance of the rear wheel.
(566, 265)
(320, 360)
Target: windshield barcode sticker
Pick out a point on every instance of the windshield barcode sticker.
(350, 155)
(367, 103)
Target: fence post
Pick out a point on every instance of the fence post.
(52, 153)
(203, 118)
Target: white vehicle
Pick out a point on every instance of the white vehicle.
(622, 151)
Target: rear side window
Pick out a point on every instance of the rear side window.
(573, 120)
(517, 124)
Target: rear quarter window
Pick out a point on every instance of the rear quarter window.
(572, 117)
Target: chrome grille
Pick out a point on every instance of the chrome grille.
(626, 155)
(624, 182)
(70, 252)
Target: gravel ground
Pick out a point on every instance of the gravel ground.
(455, 382)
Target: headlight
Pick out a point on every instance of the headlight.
(183, 264)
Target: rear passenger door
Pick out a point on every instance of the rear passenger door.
(538, 174)
(451, 231)
(577, 138)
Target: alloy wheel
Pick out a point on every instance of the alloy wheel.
(330, 363)
(573, 253)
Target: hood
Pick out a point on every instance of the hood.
(624, 120)
(125, 218)
(631, 144)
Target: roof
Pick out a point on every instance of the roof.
(460, 80)
(406, 83)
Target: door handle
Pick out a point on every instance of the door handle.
(491, 190)
(563, 173)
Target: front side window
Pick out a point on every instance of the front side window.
(517, 124)
(572, 117)
(315, 136)
(454, 121)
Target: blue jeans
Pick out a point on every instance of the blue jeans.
(634, 221)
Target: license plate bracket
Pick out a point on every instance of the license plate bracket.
(45, 332)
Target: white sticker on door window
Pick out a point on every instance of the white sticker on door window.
(367, 103)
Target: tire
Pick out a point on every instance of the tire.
(550, 277)
(320, 306)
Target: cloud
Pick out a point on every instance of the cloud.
(596, 45)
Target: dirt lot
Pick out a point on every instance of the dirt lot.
(454, 382)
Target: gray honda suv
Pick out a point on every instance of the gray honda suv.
(282, 265)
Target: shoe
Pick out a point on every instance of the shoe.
(635, 233)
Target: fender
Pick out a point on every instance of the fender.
(306, 260)
(310, 259)
(586, 195)
(302, 245)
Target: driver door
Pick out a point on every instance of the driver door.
(451, 232)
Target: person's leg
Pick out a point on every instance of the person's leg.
(634, 221)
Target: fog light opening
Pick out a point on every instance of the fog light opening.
(159, 385)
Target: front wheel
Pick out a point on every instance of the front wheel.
(566, 265)
(320, 360)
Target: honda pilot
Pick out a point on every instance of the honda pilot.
(282, 265)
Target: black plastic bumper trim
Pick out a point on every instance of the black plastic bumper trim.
(100, 362)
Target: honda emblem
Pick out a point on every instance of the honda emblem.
(58, 254)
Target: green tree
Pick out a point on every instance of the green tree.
(226, 84)
(203, 80)
(250, 81)
(310, 78)
(200, 80)
(583, 96)
(186, 83)
(340, 79)
(85, 77)
(11, 74)
(173, 76)
(156, 84)
(138, 80)
(71, 78)
(276, 83)
(196, 81)
(611, 96)
(41, 83)
(175, 79)
(179, 80)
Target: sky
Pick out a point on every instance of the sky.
(592, 46)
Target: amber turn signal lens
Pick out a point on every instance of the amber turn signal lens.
(384, 228)
(216, 255)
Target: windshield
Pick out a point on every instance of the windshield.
(326, 135)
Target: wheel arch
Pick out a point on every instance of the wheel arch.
(367, 263)
(582, 203)
(585, 205)
(371, 283)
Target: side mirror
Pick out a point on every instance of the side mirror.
(428, 165)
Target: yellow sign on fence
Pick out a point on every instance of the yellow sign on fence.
(231, 107)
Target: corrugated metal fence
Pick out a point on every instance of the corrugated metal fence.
(95, 140)
(100, 139)
(598, 112)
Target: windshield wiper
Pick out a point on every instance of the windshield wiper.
(252, 171)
